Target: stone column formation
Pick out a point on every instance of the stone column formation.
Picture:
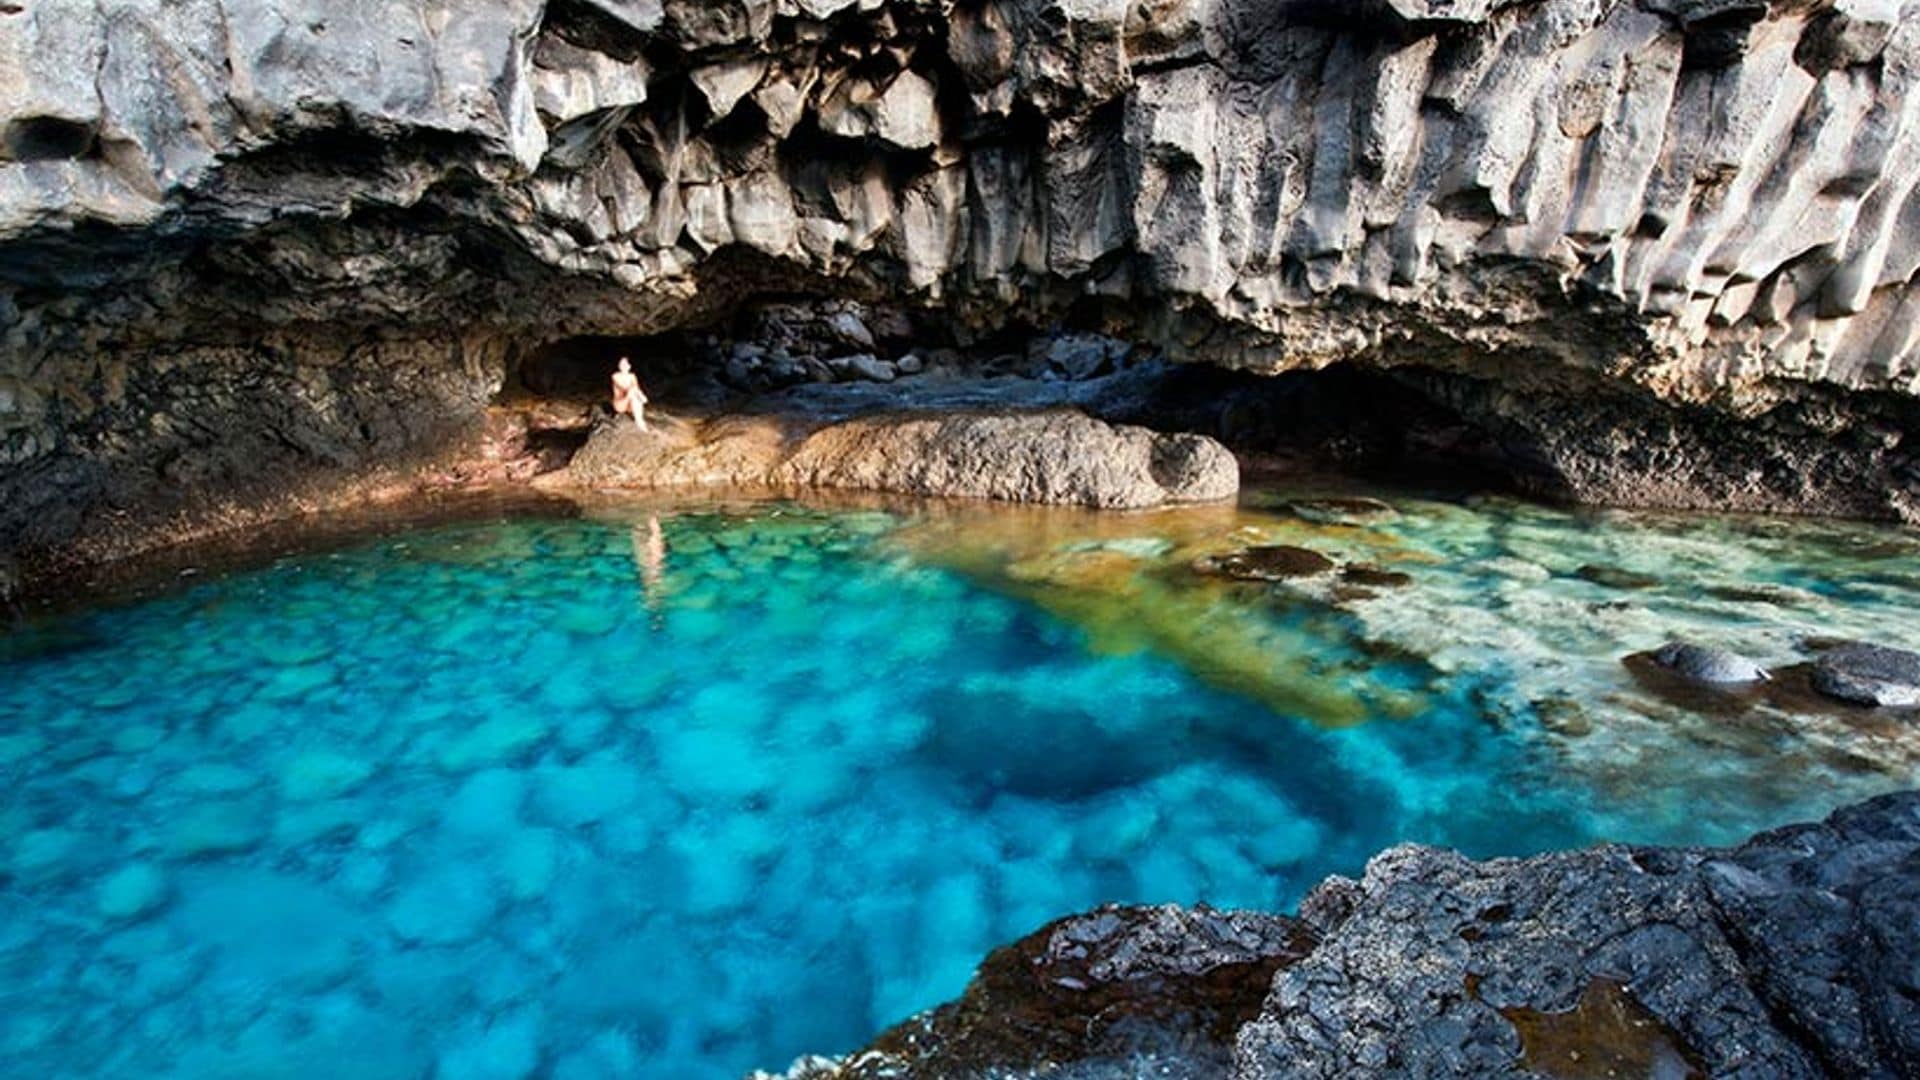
(344, 207)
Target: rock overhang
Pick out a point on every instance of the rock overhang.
(1703, 203)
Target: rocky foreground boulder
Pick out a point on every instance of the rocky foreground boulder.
(1058, 456)
(1793, 955)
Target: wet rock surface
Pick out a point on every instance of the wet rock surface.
(1705, 664)
(1111, 984)
(1788, 956)
(1272, 562)
(1663, 256)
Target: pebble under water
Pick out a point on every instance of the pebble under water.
(683, 792)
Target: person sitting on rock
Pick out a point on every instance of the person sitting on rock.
(627, 395)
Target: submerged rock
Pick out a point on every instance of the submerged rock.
(448, 905)
(1272, 562)
(1339, 509)
(1866, 674)
(1613, 577)
(132, 891)
(322, 774)
(1791, 955)
(1705, 664)
(1371, 576)
(214, 828)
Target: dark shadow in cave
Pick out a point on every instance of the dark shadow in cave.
(1380, 424)
(578, 369)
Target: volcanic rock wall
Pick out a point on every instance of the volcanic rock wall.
(306, 206)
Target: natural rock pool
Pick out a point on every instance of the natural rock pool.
(676, 790)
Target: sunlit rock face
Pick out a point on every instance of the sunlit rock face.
(1674, 200)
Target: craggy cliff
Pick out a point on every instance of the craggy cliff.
(1659, 251)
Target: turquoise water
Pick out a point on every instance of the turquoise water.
(684, 794)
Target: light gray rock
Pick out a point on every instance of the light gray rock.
(1705, 664)
(863, 366)
(902, 113)
(1048, 457)
(725, 83)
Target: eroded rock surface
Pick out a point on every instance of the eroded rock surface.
(1569, 220)
(1706, 664)
(1868, 674)
(1791, 955)
(1052, 456)
(1098, 991)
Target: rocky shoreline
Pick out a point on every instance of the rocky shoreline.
(1792, 955)
(800, 396)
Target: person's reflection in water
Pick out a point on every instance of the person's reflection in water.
(650, 554)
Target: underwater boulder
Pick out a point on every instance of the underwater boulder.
(1268, 562)
(1374, 576)
(1340, 510)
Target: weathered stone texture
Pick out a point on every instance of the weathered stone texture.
(1710, 203)
(1791, 955)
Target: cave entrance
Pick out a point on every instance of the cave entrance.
(1407, 425)
(556, 391)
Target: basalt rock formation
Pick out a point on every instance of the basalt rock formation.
(1792, 955)
(1662, 250)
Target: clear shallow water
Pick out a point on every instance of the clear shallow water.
(564, 797)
